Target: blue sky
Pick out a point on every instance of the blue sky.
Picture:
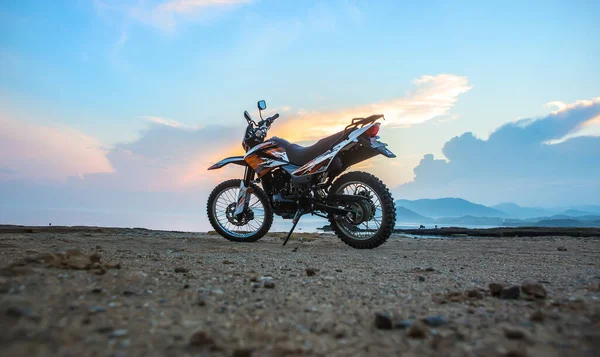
(105, 73)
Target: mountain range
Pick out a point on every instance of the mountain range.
(448, 207)
(458, 211)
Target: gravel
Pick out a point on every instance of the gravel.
(117, 293)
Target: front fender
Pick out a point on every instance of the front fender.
(238, 160)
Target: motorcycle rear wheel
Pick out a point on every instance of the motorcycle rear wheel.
(374, 232)
(220, 203)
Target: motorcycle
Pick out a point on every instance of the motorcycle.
(299, 180)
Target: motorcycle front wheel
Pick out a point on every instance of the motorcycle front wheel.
(254, 222)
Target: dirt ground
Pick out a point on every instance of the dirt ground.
(149, 293)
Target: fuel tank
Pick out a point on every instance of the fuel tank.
(265, 157)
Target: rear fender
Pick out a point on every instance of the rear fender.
(378, 146)
(237, 160)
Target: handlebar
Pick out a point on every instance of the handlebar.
(258, 130)
(266, 123)
(272, 119)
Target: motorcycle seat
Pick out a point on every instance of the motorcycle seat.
(300, 155)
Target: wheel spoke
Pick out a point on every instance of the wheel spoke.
(367, 229)
(223, 213)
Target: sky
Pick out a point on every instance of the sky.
(120, 106)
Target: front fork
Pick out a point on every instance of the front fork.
(243, 199)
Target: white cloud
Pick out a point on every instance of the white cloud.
(186, 6)
(433, 97)
(163, 121)
(562, 107)
(531, 161)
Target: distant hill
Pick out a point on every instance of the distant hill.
(555, 221)
(516, 211)
(472, 221)
(448, 207)
(595, 209)
(578, 213)
(559, 223)
(404, 215)
(460, 212)
(589, 218)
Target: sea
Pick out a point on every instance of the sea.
(185, 222)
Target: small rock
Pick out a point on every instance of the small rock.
(310, 271)
(98, 269)
(383, 321)
(562, 249)
(96, 290)
(421, 278)
(254, 278)
(534, 289)
(18, 311)
(256, 285)
(200, 339)
(455, 296)
(113, 266)
(537, 316)
(475, 294)
(430, 269)
(186, 286)
(435, 321)
(104, 329)
(338, 270)
(417, 330)
(95, 258)
(269, 284)
(242, 352)
(227, 261)
(514, 333)
(181, 270)
(496, 289)
(118, 333)
(516, 353)
(510, 293)
(97, 309)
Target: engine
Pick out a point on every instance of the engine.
(284, 197)
(281, 182)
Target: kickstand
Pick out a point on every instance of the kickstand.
(299, 214)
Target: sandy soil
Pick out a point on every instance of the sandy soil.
(149, 293)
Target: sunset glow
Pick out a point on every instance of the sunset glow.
(132, 101)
